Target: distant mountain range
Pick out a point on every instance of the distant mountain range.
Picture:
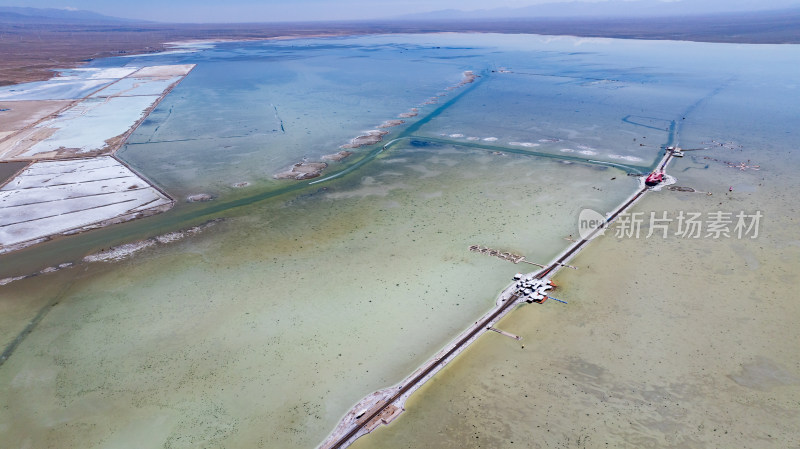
(568, 10)
(609, 9)
(22, 15)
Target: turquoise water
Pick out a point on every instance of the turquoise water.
(264, 329)
(250, 110)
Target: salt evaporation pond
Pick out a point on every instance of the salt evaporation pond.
(70, 84)
(264, 329)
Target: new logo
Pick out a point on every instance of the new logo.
(588, 221)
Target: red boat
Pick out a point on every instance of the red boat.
(654, 178)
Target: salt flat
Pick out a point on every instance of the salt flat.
(53, 197)
(56, 195)
(109, 103)
(137, 86)
(55, 89)
(16, 115)
(163, 71)
(87, 126)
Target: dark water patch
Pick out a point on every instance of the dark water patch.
(421, 143)
(14, 344)
(9, 169)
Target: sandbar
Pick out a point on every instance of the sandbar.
(412, 113)
(336, 156)
(302, 170)
(371, 137)
(199, 198)
(391, 123)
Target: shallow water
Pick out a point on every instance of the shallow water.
(665, 342)
(270, 325)
(263, 330)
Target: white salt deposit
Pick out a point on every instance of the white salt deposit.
(56, 197)
(95, 73)
(52, 90)
(119, 252)
(137, 86)
(625, 158)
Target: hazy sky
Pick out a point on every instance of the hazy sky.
(283, 10)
